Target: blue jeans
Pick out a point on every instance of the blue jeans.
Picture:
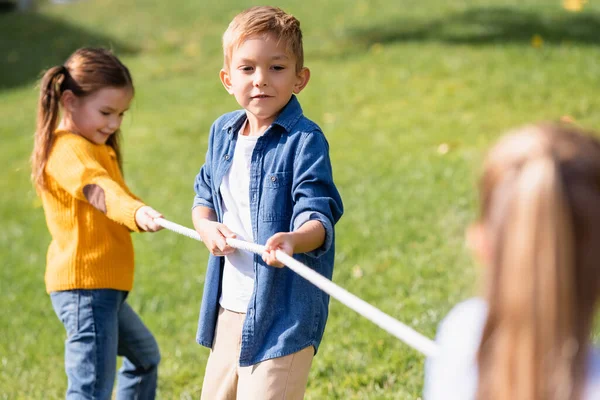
(100, 325)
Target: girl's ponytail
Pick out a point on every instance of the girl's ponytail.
(529, 338)
(539, 196)
(51, 88)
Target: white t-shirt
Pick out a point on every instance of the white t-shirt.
(238, 272)
(452, 374)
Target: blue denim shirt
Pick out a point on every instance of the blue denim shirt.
(290, 183)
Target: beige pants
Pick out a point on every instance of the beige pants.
(278, 378)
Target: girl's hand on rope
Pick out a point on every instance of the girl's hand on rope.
(214, 236)
(144, 218)
(280, 241)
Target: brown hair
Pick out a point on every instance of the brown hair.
(261, 21)
(85, 71)
(539, 196)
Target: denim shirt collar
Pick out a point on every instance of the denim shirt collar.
(287, 118)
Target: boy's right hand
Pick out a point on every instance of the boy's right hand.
(214, 235)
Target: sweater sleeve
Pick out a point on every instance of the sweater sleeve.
(74, 166)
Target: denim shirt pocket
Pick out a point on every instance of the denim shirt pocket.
(276, 204)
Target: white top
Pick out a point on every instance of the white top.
(238, 273)
(452, 374)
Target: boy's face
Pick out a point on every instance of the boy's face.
(262, 76)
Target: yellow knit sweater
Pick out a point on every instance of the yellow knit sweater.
(90, 213)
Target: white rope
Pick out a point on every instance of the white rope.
(375, 315)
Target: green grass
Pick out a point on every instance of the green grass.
(391, 81)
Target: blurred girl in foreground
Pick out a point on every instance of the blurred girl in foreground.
(538, 236)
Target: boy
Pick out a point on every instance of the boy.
(267, 178)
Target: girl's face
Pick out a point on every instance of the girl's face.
(478, 243)
(97, 116)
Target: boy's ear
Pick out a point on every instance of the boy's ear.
(226, 80)
(302, 80)
(68, 100)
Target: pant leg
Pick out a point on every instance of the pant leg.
(138, 376)
(221, 378)
(90, 319)
(278, 378)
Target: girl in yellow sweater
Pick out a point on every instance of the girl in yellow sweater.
(90, 212)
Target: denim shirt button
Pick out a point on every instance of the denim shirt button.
(226, 157)
(273, 179)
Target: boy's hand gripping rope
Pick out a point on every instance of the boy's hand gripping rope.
(375, 315)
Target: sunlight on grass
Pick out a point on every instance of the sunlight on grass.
(409, 98)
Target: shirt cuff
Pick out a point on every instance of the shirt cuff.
(199, 201)
(306, 216)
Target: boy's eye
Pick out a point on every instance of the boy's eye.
(246, 68)
(278, 67)
(105, 113)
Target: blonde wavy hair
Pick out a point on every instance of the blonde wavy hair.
(540, 210)
(261, 21)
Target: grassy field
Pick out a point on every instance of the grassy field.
(409, 94)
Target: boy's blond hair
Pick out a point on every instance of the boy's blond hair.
(261, 21)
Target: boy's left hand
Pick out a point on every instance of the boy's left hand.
(280, 241)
